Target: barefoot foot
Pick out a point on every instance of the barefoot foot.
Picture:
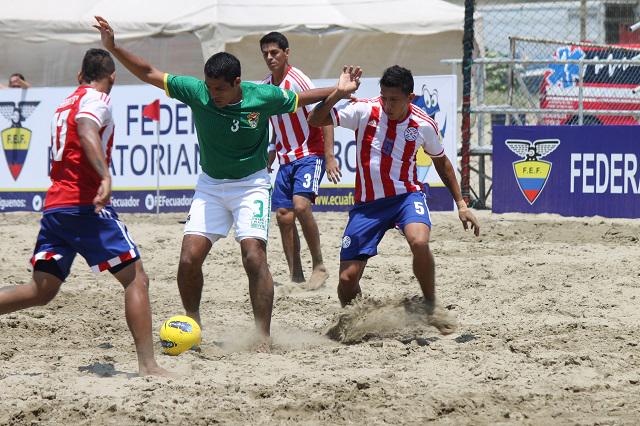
(442, 319)
(263, 346)
(155, 370)
(318, 278)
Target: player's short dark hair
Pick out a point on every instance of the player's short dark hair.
(397, 76)
(223, 65)
(19, 75)
(277, 38)
(96, 65)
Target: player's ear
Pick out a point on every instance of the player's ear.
(411, 97)
(286, 51)
(80, 77)
(236, 81)
(112, 78)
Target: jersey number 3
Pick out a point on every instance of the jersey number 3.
(235, 126)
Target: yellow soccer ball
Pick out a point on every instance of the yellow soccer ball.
(178, 334)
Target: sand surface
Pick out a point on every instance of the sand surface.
(549, 330)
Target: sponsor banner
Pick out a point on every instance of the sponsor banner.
(130, 201)
(334, 199)
(179, 200)
(21, 201)
(342, 199)
(25, 122)
(569, 170)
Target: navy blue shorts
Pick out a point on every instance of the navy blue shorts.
(368, 222)
(100, 238)
(300, 177)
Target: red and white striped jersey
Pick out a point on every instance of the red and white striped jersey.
(295, 139)
(386, 149)
(74, 181)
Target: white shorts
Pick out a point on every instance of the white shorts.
(219, 203)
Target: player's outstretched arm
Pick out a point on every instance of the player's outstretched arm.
(331, 164)
(312, 96)
(447, 174)
(88, 132)
(138, 66)
(348, 83)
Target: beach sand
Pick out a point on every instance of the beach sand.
(549, 328)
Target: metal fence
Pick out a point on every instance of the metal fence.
(549, 63)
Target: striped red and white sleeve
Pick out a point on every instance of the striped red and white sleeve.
(431, 141)
(349, 114)
(95, 106)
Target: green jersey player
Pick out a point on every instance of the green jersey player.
(231, 119)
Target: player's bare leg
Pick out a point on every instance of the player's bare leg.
(138, 313)
(349, 283)
(190, 280)
(40, 291)
(417, 235)
(302, 209)
(290, 243)
(254, 260)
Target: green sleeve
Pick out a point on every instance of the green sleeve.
(281, 101)
(182, 88)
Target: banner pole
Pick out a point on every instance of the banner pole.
(158, 168)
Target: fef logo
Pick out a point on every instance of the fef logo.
(16, 139)
(532, 173)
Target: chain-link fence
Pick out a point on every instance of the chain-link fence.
(550, 63)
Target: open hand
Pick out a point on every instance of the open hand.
(106, 33)
(349, 80)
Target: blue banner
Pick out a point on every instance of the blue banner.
(569, 170)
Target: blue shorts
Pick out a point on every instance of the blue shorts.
(368, 222)
(300, 177)
(100, 238)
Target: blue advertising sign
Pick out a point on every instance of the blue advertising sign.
(569, 170)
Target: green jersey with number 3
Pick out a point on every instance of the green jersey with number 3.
(234, 139)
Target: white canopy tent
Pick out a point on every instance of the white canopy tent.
(45, 40)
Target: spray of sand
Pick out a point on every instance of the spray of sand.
(368, 318)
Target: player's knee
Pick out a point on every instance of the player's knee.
(253, 260)
(44, 295)
(419, 244)
(348, 278)
(284, 217)
(188, 263)
(301, 209)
